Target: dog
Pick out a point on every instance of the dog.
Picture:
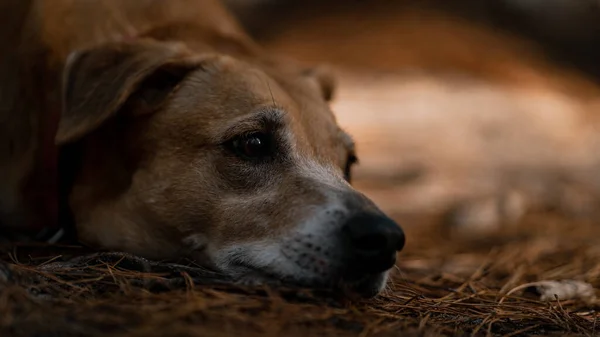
(159, 128)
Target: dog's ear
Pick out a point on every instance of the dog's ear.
(325, 79)
(98, 82)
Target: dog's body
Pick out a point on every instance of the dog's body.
(179, 137)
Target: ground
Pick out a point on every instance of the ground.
(441, 287)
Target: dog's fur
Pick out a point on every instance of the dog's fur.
(152, 94)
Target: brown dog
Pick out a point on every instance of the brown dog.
(179, 137)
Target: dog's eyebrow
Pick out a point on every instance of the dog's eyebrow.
(265, 119)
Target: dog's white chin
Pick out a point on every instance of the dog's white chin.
(264, 264)
(365, 287)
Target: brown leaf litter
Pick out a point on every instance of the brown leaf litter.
(442, 287)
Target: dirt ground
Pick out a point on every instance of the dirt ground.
(479, 145)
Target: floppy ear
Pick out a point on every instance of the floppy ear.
(325, 78)
(98, 82)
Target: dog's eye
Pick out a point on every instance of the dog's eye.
(351, 160)
(253, 146)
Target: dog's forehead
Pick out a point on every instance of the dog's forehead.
(228, 91)
(312, 118)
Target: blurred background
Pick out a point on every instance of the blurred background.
(477, 112)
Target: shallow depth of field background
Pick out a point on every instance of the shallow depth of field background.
(455, 107)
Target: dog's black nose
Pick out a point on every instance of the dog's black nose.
(373, 241)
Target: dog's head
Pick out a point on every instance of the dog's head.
(239, 165)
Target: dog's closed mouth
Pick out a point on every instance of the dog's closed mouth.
(255, 276)
(366, 286)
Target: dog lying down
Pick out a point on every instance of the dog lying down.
(173, 135)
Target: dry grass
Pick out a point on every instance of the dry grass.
(442, 287)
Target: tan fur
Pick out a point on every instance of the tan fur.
(140, 97)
